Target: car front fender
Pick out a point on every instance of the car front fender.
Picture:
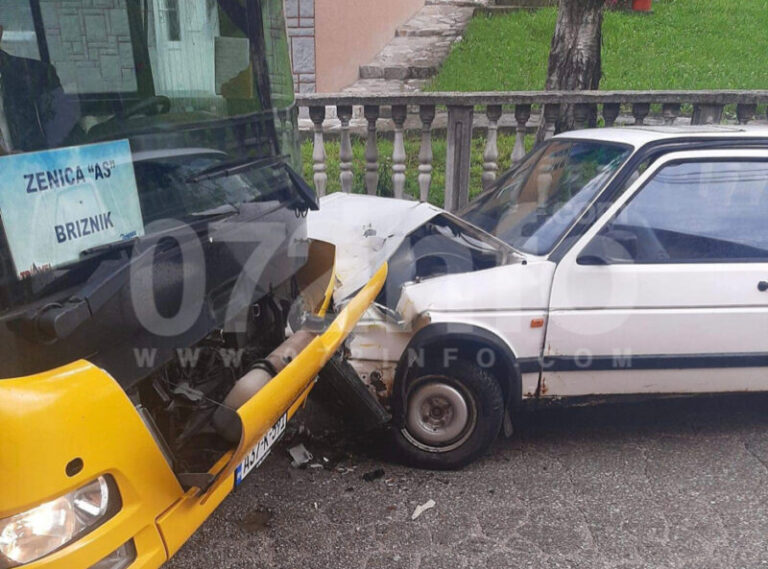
(451, 340)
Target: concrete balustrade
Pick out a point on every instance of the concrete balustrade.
(463, 110)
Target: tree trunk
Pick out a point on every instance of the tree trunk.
(575, 62)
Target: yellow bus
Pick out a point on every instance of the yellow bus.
(162, 312)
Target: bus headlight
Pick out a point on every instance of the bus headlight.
(35, 533)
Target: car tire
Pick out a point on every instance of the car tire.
(446, 417)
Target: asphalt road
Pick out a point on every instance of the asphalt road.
(673, 483)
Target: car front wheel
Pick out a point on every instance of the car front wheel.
(448, 417)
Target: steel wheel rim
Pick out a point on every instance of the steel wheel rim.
(440, 416)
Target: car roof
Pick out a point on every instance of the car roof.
(639, 136)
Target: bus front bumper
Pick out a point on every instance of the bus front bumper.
(73, 428)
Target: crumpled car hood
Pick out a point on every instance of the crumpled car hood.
(366, 230)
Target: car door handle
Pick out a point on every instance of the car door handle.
(762, 286)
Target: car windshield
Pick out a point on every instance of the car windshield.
(533, 206)
(116, 114)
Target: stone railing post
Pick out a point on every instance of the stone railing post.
(746, 112)
(427, 115)
(611, 113)
(399, 114)
(551, 114)
(707, 114)
(522, 114)
(491, 154)
(640, 112)
(670, 111)
(317, 114)
(371, 151)
(580, 116)
(458, 158)
(286, 128)
(346, 156)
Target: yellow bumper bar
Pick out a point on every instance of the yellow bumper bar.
(285, 393)
(79, 411)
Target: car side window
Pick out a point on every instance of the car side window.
(697, 211)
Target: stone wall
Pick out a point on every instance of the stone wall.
(300, 20)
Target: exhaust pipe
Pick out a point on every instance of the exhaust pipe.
(225, 419)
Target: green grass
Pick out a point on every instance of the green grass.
(412, 145)
(684, 44)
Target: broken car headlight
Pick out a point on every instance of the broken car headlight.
(30, 535)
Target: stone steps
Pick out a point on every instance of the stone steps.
(459, 3)
(409, 57)
(418, 49)
(437, 20)
(384, 86)
(526, 3)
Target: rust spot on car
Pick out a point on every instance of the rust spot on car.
(544, 388)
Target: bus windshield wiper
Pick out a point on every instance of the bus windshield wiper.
(307, 195)
(107, 248)
(226, 169)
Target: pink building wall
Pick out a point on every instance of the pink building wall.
(349, 33)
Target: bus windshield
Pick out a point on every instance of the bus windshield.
(120, 113)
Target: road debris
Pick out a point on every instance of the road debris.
(423, 508)
(373, 475)
(300, 455)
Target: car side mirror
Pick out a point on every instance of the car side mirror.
(616, 246)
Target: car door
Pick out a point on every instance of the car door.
(668, 291)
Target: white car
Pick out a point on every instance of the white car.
(610, 262)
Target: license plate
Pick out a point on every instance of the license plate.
(257, 454)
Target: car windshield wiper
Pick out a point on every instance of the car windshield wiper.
(226, 169)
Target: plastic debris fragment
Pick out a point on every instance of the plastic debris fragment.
(300, 455)
(423, 508)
